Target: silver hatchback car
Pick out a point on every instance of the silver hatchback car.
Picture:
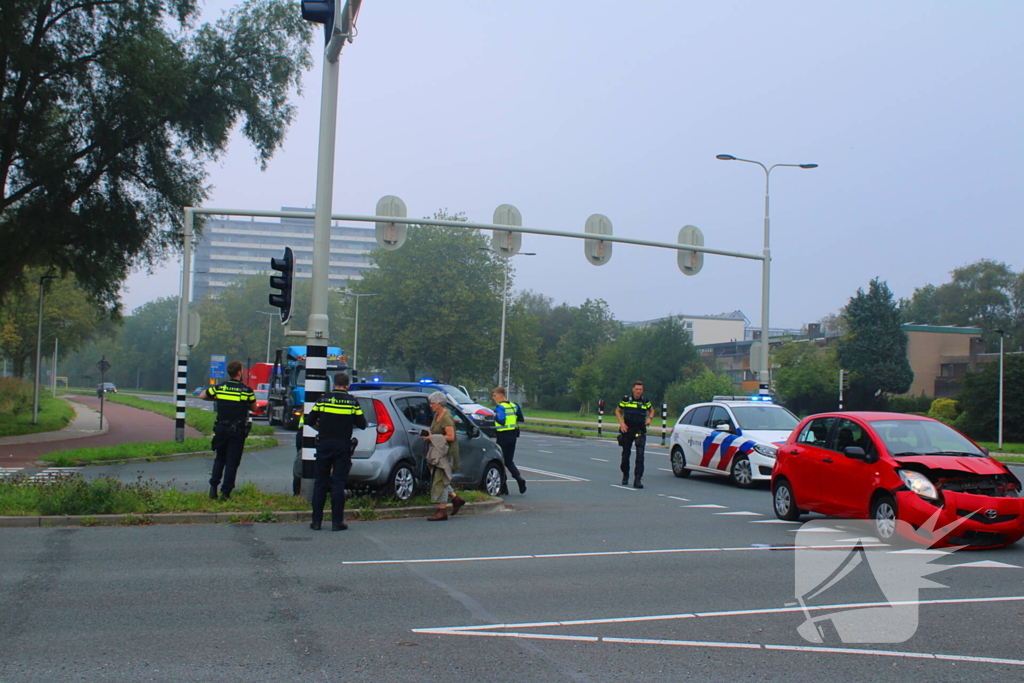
(391, 455)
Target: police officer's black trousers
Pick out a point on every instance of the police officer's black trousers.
(629, 439)
(507, 443)
(228, 446)
(333, 463)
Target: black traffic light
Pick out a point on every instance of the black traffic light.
(845, 379)
(283, 282)
(320, 12)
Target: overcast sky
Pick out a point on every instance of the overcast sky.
(565, 108)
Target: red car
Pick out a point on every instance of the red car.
(911, 475)
(260, 412)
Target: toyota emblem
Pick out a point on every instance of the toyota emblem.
(991, 514)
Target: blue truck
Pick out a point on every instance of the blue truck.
(287, 392)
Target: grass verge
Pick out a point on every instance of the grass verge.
(54, 414)
(107, 496)
(130, 451)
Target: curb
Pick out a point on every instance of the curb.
(241, 517)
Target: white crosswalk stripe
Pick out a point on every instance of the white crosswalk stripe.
(51, 473)
(9, 471)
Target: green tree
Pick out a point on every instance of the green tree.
(806, 377)
(986, 294)
(438, 304)
(655, 354)
(979, 401)
(69, 314)
(591, 326)
(109, 110)
(702, 386)
(586, 382)
(874, 348)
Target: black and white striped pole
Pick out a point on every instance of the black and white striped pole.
(600, 415)
(664, 422)
(184, 335)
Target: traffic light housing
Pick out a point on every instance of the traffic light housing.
(844, 379)
(320, 12)
(283, 282)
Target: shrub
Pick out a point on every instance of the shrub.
(910, 404)
(15, 396)
(944, 409)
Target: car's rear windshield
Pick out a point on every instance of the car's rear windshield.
(767, 418)
(922, 437)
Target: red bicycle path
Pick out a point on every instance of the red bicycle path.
(125, 425)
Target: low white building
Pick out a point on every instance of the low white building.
(707, 329)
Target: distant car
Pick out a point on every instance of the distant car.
(107, 387)
(731, 436)
(391, 455)
(911, 475)
(481, 415)
(260, 411)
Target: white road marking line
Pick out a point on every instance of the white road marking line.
(817, 530)
(989, 564)
(690, 643)
(552, 474)
(685, 500)
(706, 505)
(919, 551)
(725, 613)
(662, 551)
(599, 459)
(548, 452)
(740, 514)
(626, 488)
(662, 469)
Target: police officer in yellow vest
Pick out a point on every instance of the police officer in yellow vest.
(234, 401)
(507, 416)
(634, 413)
(334, 416)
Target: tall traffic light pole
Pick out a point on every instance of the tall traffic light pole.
(338, 25)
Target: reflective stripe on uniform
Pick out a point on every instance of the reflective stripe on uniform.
(510, 417)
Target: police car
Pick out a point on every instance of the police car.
(731, 436)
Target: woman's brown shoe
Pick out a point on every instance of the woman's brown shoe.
(438, 516)
(457, 503)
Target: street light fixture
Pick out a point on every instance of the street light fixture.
(270, 321)
(763, 378)
(355, 333)
(504, 305)
(1002, 337)
(39, 350)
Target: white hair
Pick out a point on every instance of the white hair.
(438, 397)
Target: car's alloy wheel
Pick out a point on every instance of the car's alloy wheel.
(679, 463)
(741, 472)
(785, 505)
(884, 514)
(492, 479)
(401, 483)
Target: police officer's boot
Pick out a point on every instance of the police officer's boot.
(637, 484)
(213, 492)
(625, 479)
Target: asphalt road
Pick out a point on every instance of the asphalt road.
(578, 580)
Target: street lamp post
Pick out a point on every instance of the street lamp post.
(39, 350)
(763, 377)
(270, 321)
(504, 306)
(1002, 337)
(355, 335)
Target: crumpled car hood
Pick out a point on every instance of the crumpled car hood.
(982, 466)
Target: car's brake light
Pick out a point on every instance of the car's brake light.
(385, 427)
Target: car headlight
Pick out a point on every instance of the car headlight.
(919, 484)
(765, 450)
